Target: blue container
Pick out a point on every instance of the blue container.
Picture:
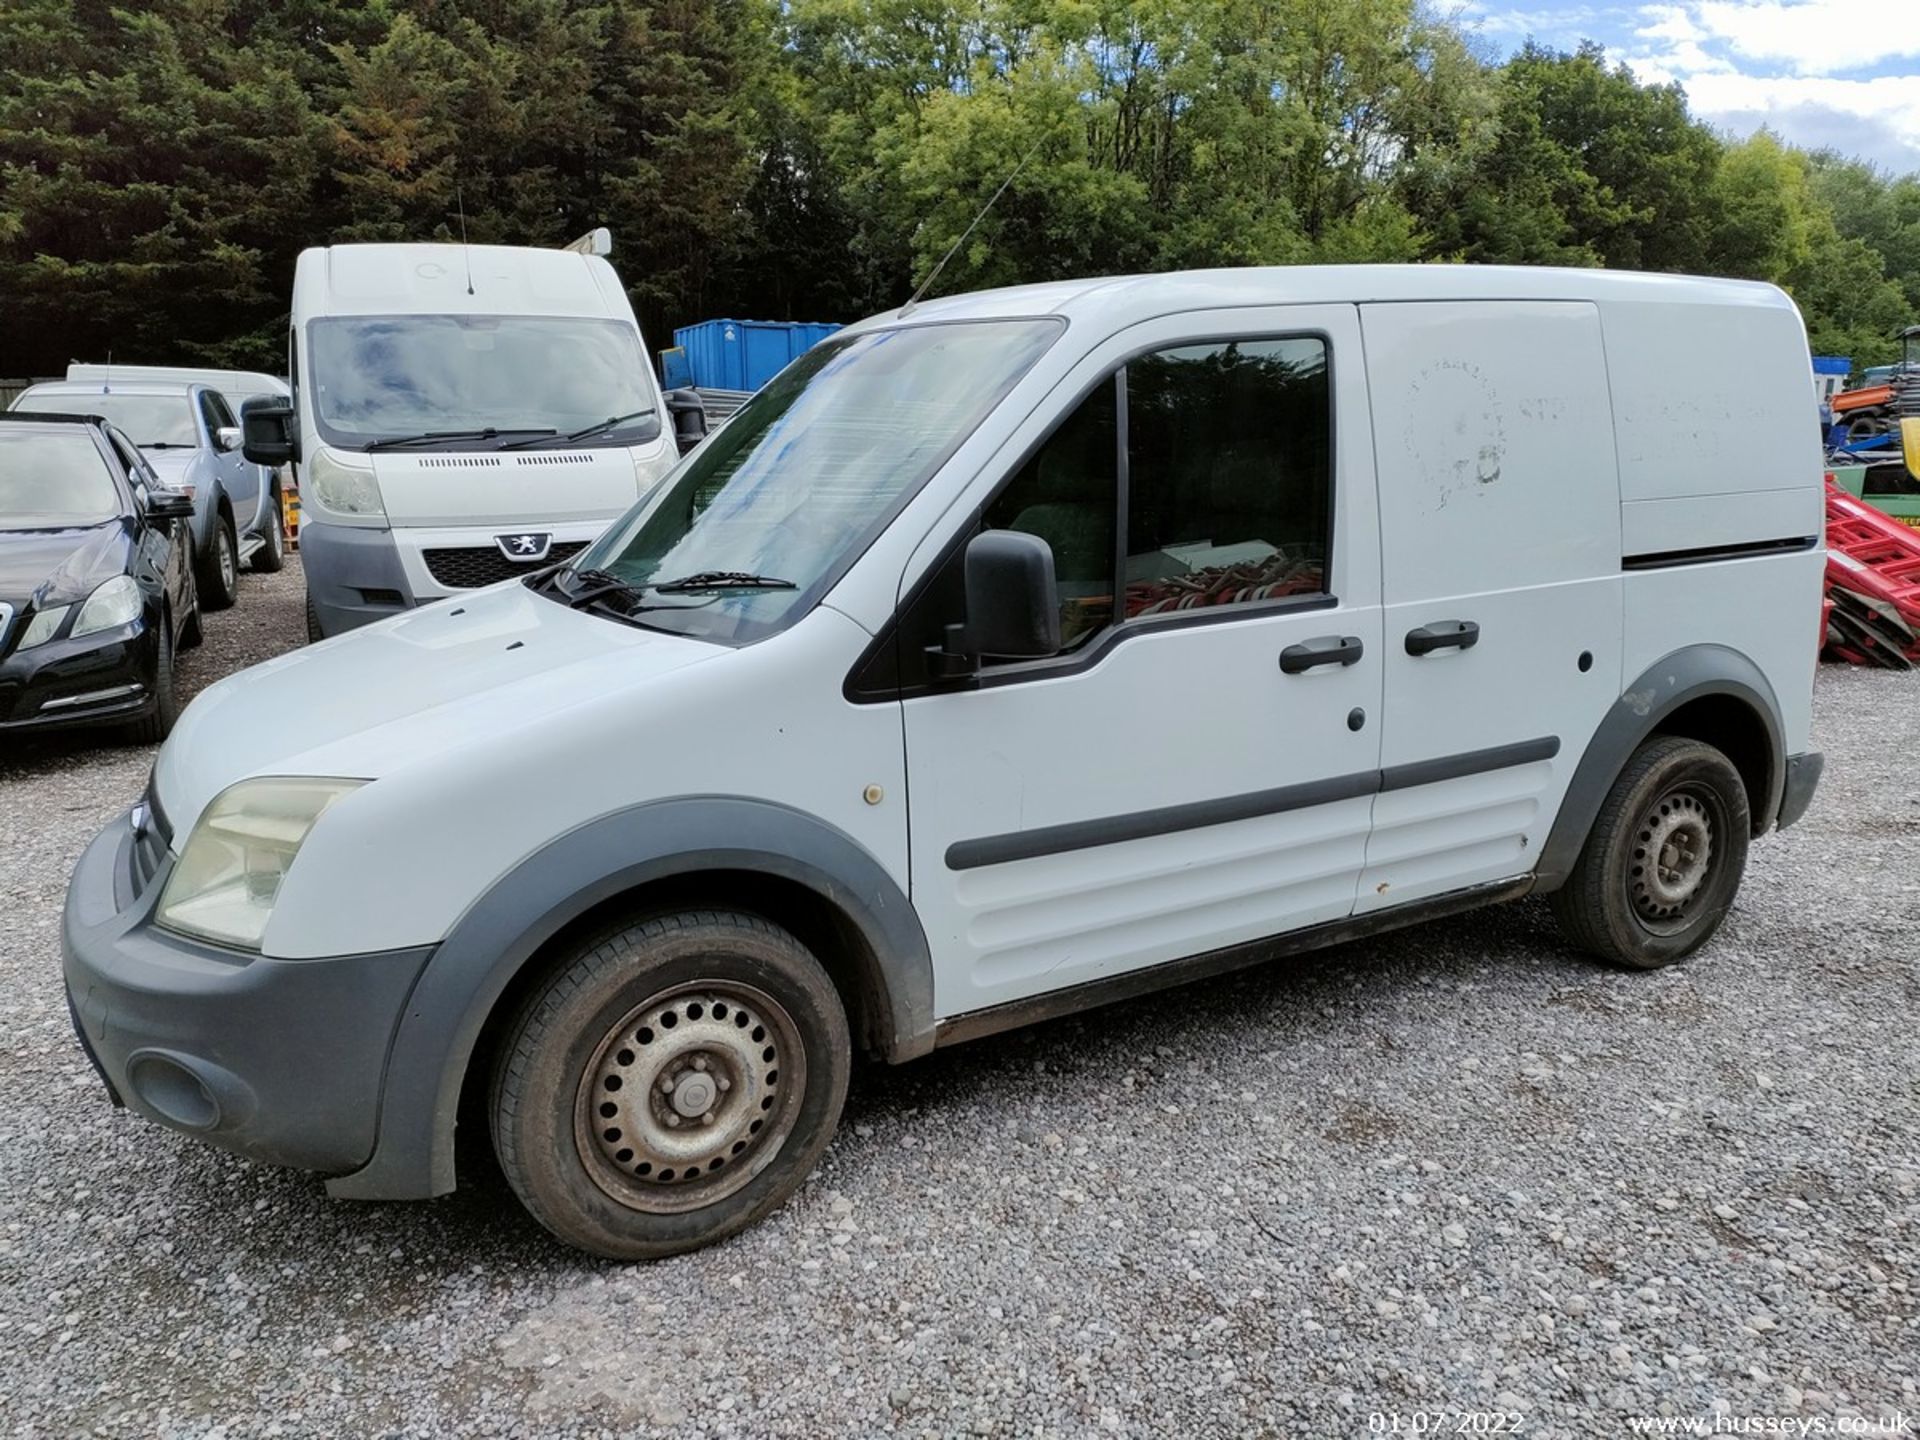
(744, 354)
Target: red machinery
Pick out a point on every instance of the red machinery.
(1872, 610)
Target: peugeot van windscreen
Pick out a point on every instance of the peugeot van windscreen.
(769, 512)
(387, 378)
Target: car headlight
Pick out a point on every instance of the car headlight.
(44, 626)
(346, 492)
(230, 873)
(114, 604)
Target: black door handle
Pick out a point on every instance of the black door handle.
(1443, 635)
(1326, 650)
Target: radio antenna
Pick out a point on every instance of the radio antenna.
(992, 200)
(466, 256)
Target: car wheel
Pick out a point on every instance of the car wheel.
(157, 724)
(271, 557)
(219, 575)
(314, 632)
(1663, 862)
(672, 1082)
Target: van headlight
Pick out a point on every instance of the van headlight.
(230, 872)
(345, 492)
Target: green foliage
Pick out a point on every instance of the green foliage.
(162, 165)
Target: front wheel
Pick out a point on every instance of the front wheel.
(1664, 860)
(271, 557)
(670, 1084)
(219, 575)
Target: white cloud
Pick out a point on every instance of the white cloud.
(1748, 63)
(1808, 37)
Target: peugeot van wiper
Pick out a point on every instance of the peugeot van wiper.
(598, 585)
(724, 580)
(429, 436)
(587, 432)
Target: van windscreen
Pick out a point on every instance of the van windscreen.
(388, 377)
(795, 486)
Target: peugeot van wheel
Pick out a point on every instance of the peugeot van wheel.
(1663, 862)
(672, 1082)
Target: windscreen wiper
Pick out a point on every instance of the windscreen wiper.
(428, 437)
(163, 445)
(585, 432)
(597, 585)
(724, 580)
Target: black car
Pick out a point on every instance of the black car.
(96, 579)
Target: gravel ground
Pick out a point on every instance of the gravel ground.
(1452, 1169)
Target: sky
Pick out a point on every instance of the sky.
(1838, 73)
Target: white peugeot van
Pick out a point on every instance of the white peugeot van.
(1006, 655)
(462, 414)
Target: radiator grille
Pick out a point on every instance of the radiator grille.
(472, 565)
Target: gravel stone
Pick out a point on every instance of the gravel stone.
(1453, 1166)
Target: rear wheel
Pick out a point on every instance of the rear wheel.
(672, 1083)
(272, 554)
(1663, 862)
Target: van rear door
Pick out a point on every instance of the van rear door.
(1500, 552)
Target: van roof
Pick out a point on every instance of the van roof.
(114, 387)
(246, 382)
(1127, 299)
(433, 279)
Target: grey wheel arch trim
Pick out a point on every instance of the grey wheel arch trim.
(1689, 674)
(413, 1155)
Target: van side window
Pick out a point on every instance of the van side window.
(1229, 483)
(1067, 494)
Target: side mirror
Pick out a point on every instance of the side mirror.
(267, 430)
(227, 438)
(689, 414)
(1013, 605)
(169, 505)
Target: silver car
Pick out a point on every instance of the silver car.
(189, 434)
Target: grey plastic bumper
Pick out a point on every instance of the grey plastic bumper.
(1803, 777)
(281, 1060)
(354, 575)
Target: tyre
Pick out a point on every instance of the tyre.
(1663, 862)
(271, 557)
(314, 632)
(671, 1083)
(192, 632)
(155, 726)
(219, 574)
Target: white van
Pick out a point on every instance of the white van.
(1016, 653)
(462, 414)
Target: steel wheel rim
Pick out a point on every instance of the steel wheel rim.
(1673, 858)
(699, 1103)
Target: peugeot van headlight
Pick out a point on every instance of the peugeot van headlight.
(347, 492)
(43, 627)
(230, 873)
(114, 604)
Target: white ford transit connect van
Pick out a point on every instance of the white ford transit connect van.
(1002, 657)
(462, 414)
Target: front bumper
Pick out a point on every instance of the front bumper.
(280, 1060)
(103, 678)
(1803, 776)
